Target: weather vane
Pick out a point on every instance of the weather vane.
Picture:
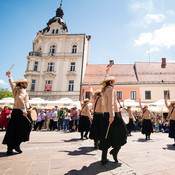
(61, 3)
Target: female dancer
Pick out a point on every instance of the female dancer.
(147, 126)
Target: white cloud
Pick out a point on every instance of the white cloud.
(2, 82)
(149, 18)
(163, 37)
(147, 6)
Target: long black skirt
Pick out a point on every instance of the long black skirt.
(18, 129)
(172, 129)
(117, 135)
(84, 124)
(130, 126)
(147, 126)
(95, 131)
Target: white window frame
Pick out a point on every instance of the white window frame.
(50, 67)
(71, 85)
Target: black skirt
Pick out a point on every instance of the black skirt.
(84, 124)
(130, 126)
(95, 127)
(117, 135)
(147, 127)
(172, 129)
(18, 129)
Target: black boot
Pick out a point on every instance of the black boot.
(81, 135)
(104, 159)
(17, 149)
(114, 153)
(85, 135)
(9, 150)
(95, 144)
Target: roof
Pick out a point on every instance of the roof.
(153, 73)
(124, 73)
(140, 72)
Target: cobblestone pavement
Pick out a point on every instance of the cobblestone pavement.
(63, 153)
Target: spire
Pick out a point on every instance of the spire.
(59, 12)
(61, 3)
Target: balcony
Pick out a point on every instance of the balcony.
(35, 53)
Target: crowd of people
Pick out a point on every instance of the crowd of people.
(68, 119)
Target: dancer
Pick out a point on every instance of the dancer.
(85, 118)
(97, 117)
(130, 126)
(147, 126)
(171, 118)
(19, 127)
(117, 135)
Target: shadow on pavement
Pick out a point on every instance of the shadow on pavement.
(140, 140)
(169, 147)
(80, 151)
(72, 140)
(94, 169)
(4, 154)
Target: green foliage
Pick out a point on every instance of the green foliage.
(4, 92)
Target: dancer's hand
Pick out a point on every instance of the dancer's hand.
(24, 114)
(8, 74)
(111, 119)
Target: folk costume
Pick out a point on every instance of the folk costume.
(95, 131)
(19, 127)
(147, 126)
(171, 120)
(130, 126)
(84, 121)
(117, 135)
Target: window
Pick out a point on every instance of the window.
(53, 49)
(36, 66)
(53, 31)
(119, 95)
(147, 95)
(48, 85)
(87, 94)
(71, 85)
(39, 50)
(33, 85)
(50, 67)
(133, 95)
(74, 49)
(57, 31)
(165, 92)
(72, 67)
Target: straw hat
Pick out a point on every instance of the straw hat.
(86, 99)
(128, 106)
(108, 78)
(21, 81)
(97, 91)
(172, 102)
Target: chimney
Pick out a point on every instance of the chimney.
(163, 65)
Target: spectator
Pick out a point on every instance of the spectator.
(53, 116)
(60, 115)
(5, 117)
(66, 120)
(40, 120)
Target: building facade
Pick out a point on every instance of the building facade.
(147, 81)
(57, 64)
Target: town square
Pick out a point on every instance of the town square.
(87, 87)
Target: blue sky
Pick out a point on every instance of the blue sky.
(126, 31)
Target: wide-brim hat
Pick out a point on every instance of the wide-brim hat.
(172, 102)
(108, 78)
(86, 99)
(97, 91)
(21, 81)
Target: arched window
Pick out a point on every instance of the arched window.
(74, 49)
(57, 31)
(52, 49)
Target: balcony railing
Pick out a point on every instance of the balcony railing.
(35, 53)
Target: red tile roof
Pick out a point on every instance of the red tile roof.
(124, 73)
(153, 73)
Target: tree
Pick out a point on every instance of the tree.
(4, 92)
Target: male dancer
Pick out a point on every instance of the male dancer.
(19, 126)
